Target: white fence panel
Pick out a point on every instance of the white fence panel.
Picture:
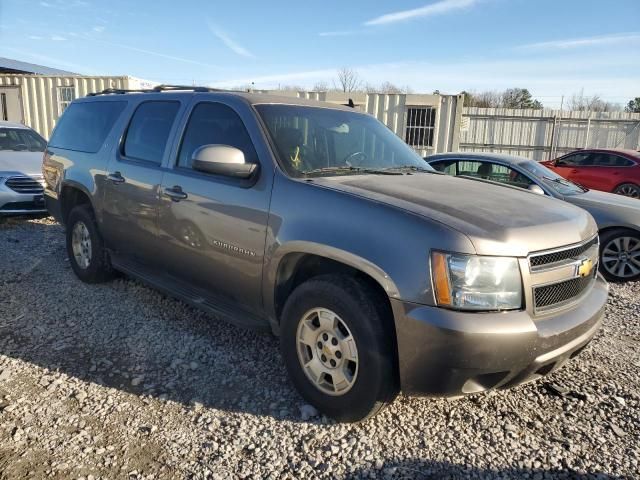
(544, 134)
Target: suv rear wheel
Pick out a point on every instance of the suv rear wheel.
(338, 347)
(85, 247)
(620, 255)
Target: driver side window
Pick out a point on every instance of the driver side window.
(496, 173)
(215, 123)
(577, 159)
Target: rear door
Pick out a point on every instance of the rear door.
(609, 170)
(134, 176)
(213, 238)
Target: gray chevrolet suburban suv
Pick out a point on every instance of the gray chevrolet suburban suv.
(315, 221)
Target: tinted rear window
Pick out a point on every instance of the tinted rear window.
(85, 126)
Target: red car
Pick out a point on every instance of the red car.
(608, 170)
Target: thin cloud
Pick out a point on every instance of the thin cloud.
(57, 38)
(583, 42)
(340, 33)
(228, 42)
(99, 28)
(277, 78)
(150, 52)
(438, 8)
(35, 37)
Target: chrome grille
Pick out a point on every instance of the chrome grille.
(559, 293)
(561, 255)
(24, 184)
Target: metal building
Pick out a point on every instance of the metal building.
(36, 96)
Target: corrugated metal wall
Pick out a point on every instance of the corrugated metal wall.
(40, 98)
(544, 134)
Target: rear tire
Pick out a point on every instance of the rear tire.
(85, 248)
(360, 347)
(620, 255)
(628, 190)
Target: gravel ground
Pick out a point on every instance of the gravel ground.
(119, 381)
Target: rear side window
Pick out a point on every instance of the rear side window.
(610, 160)
(149, 129)
(214, 123)
(85, 126)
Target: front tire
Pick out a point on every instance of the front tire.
(85, 248)
(338, 345)
(620, 255)
(628, 190)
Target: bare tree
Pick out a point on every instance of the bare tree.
(320, 87)
(510, 98)
(593, 103)
(348, 80)
(386, 87)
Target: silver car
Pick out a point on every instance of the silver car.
(618, 217)
(21, 183)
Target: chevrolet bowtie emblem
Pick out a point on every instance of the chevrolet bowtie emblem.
(584, 269)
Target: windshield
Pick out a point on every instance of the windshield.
(21, 140)
(552, 180)
(315, 141)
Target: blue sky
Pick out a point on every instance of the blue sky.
(552, 47)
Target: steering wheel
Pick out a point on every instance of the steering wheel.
(21, 146)
(355, 159)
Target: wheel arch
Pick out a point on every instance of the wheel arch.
(73, 194)
(304, 260)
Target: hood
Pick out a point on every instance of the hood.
(498, 220)
(609, 208)
(21, 163)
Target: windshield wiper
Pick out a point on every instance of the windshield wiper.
(413, 168)
(349, 169)
(566, 183)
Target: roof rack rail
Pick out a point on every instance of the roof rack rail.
(108, 91)
(157, 88)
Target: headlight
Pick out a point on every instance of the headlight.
(472, 282)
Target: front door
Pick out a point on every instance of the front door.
(132, 185)
(213, 228)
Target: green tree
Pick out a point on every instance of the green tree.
(633, 106)
(519, 98)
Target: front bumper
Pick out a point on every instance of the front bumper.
(450, 353)
(14, 203)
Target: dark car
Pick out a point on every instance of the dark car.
(315, 221)
(618, 217)
(607, 170)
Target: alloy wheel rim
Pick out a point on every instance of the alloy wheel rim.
(81, 245)
(621, 257)
(327, 351)
(629, 191)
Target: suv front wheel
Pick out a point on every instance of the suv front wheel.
(85, 247)
(338, 345)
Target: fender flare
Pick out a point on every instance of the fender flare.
(273, 264)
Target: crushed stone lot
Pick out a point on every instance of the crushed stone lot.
(118, 381)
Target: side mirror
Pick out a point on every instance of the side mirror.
(536, 189)
(222, 160)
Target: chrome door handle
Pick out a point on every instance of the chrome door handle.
(175, 193)
(116, 178)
